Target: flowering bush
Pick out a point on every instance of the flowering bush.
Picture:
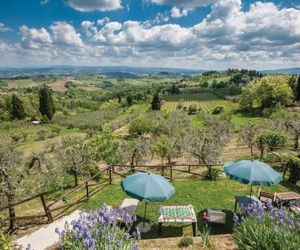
(266, 227)
(99, 230)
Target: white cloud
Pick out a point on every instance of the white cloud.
(227, 37)
(3, 28)
(65, 34)
(34, 38)
(177, 12)
(184, 3)
(94, 5)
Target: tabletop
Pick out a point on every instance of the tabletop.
(288, 196)
(177, 214)
(245, 200)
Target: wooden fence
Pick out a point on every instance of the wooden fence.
(49, 208)
(121, 171)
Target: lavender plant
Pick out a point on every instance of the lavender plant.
(100, 230)
(267, 227)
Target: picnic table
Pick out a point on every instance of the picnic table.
(245, 200)
(287, 196)
(177, 214)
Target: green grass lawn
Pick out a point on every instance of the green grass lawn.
(199, 193)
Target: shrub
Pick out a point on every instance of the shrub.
(272, 139)
(99, 230)
(207, 240)
(211, 175)
(193, 109)
(186, 242)
(15, 137)
(218, 110)
(6, 243)
(266, 227)
(45, 119)
(294, 166)
(41, 135)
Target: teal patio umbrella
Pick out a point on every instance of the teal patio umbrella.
(253, 172)
(147, 187)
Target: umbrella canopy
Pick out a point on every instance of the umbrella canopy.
(253, 172)
(147, 186)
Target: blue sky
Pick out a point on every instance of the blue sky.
(206, 34)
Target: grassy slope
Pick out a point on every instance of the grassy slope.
(201, 194)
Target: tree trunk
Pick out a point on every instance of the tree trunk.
(251, 149)
(262, 152)
(296, 145)
(11, 211)
(75, 174)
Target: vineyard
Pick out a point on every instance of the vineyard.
(205, 101)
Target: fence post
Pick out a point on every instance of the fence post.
(285, 170)
(46, 209)
(209, 170)
(12, 217)
(162, 170)
(189, 169)
(87, 189)
(110, 174)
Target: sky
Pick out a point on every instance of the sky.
(196, 34)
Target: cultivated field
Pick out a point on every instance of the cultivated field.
(205, 101)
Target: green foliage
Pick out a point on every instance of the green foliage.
(16, 137)
(6, 242)
(186, 242)
(46, 106)
(294, 167)
(253, 234)
(273, 139)
(174, 89)
(218, 110)
(297, 89)
(129, 100)
(106, 148)
(211, 175)
(156, 104)
(140, 126)
(193, 109)
(206, 237)
(45, 119)
(266, 93)
(17, 109)
(41, 135)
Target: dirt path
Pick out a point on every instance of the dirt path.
(45, 237)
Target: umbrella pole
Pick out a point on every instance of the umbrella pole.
(145, 212)
(250, 190)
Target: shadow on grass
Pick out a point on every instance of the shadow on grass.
(290, 186)
(167, 231)
(216, 229)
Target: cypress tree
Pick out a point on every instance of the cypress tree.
(155, 105)
(129, 100)
(17, 109)
(46, 102)
(298, 89)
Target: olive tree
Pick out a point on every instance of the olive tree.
(106, 148)
(75, 157)
(21, 177)
(249, 135)
(207, 143)
(292, 123)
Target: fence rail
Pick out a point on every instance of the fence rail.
(166, 170)
(50, 208)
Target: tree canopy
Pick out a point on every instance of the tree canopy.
(46, 102)
(266, 93)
